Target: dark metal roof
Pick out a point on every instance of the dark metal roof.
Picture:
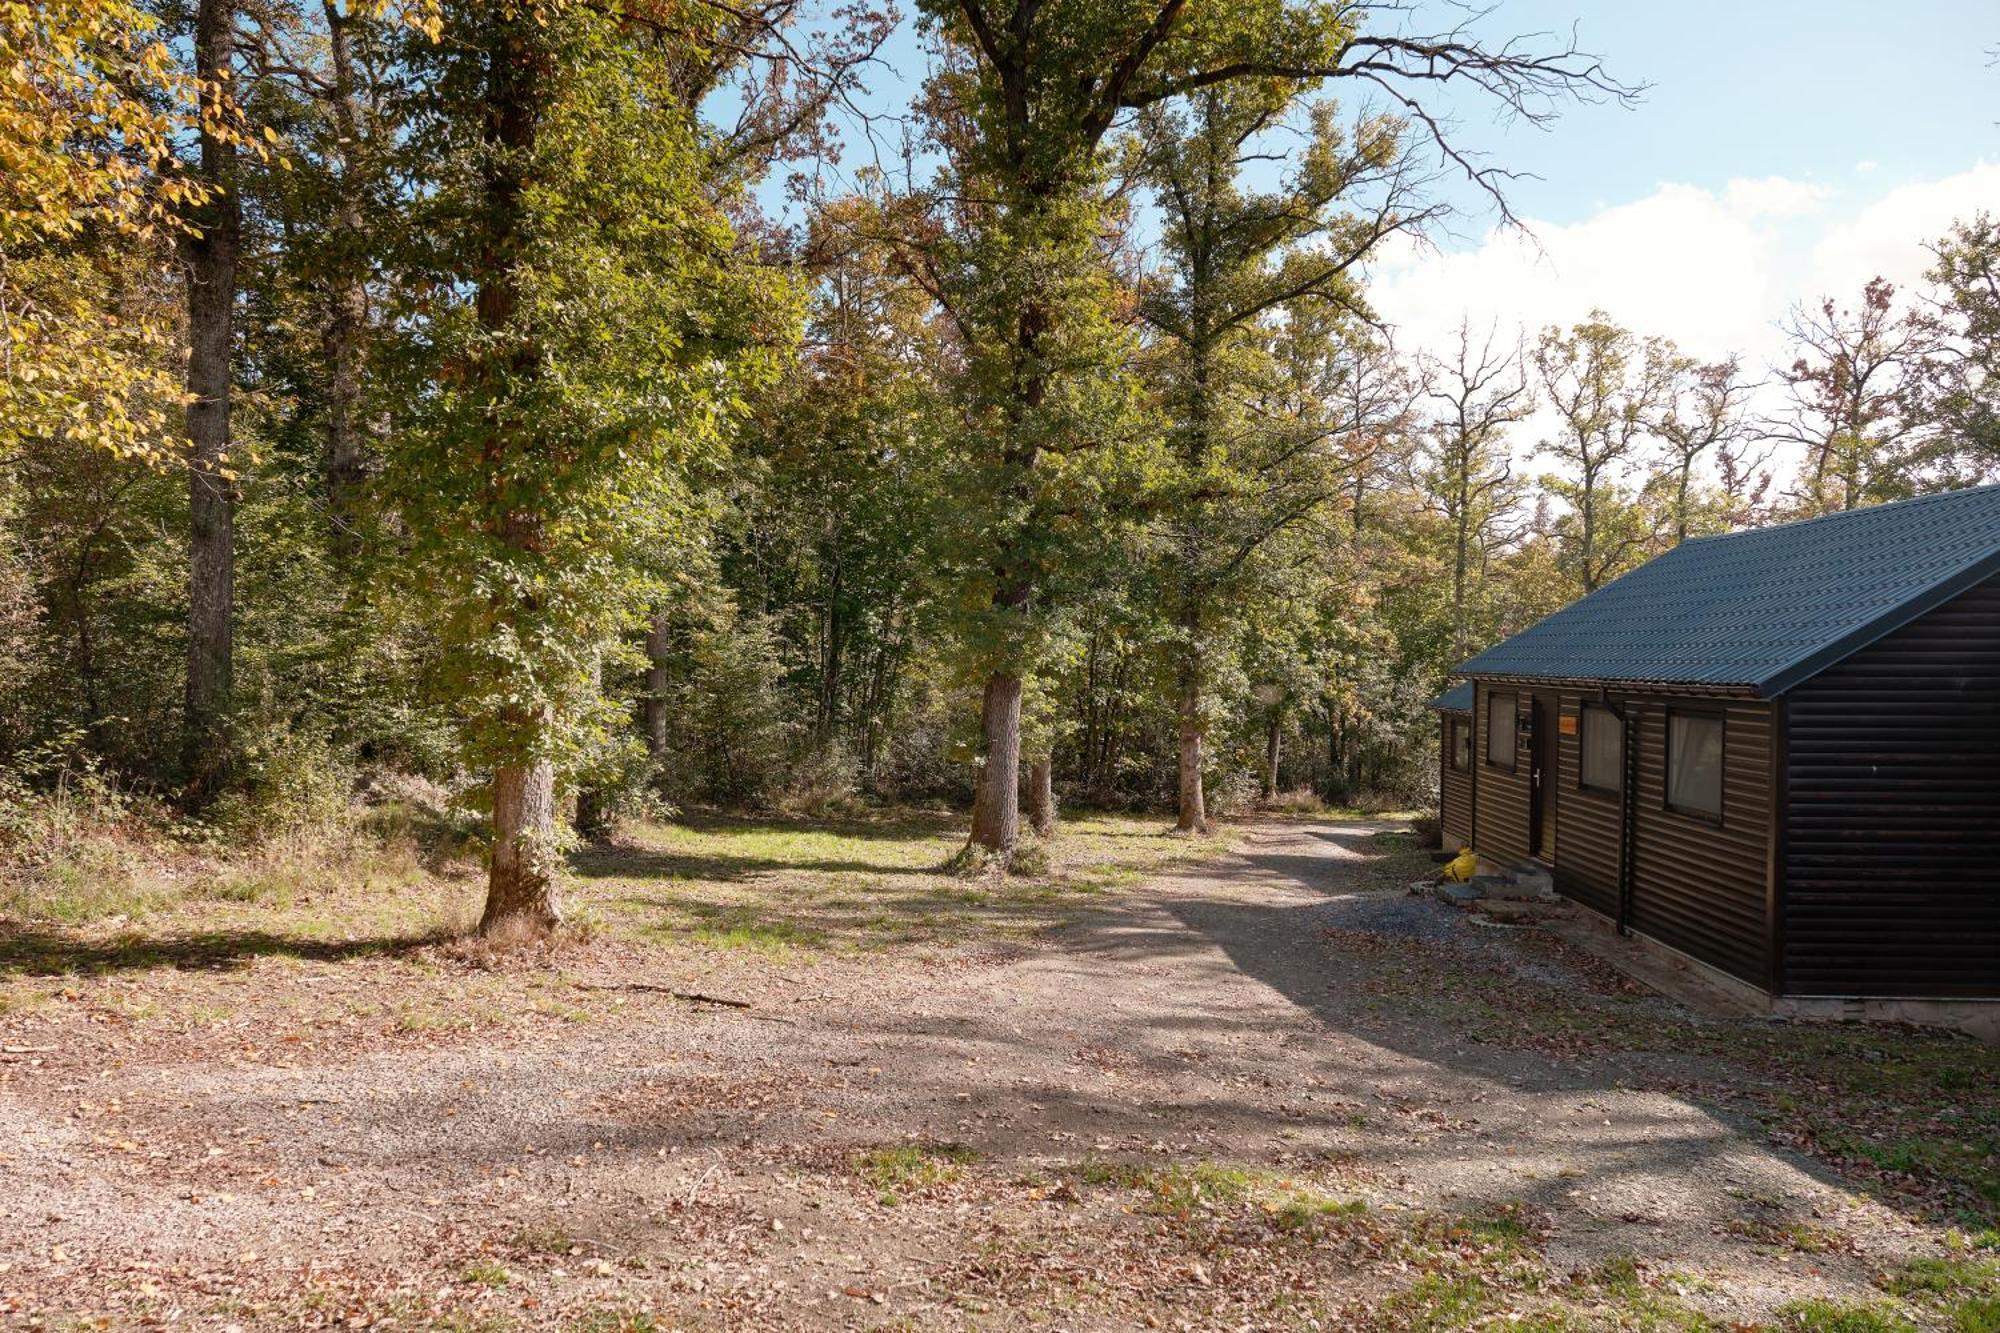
(1768, 607)
(1457, 699)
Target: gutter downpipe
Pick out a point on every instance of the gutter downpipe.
(1628, 804)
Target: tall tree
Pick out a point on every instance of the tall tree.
(212, 248)
(580, 328)
(1236, 257)
(1474, 394)
(1844, 403)
(1701, 413)
(1955, 395)
(1028, 93)
(1605, 385)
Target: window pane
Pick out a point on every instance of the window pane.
(1461, 744)
(1694, 764)
(1500, 723)
(1603, 758)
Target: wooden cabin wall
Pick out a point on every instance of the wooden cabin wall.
(1454, 788)
(1501, 809)
(1697, 885)
(1587, 858)
(1891, 881)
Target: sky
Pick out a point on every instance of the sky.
(1782, 151)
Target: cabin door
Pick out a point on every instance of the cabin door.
(1542, 784)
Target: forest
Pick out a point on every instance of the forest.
(559, 413)
(731, 664)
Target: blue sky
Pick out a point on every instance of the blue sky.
(1757, 88)
(1751, 88)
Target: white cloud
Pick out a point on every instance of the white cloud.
(1887, 236)
(1693, 264)
(1714, 270)
(1774, 196)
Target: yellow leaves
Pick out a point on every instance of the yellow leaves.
(90, 104)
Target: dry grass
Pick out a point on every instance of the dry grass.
(366, 934)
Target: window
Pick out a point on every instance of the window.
(1461, 743)
(1694, 764)
(1503, 722)
(1602, 764)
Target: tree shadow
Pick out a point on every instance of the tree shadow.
(1529, 1010)
(31, 952)
(618, 862)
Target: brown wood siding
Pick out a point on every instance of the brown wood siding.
(1454, 789)
(1587, 859)
(1696, 885)
(1893, 773)
(1502, 805)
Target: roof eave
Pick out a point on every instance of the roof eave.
(1701, 688)
(1882, 626)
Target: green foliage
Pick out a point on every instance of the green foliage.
(552, 441)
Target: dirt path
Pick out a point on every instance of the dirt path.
(1202, 1105)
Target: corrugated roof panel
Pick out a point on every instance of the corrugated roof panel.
(1457, 699)
(1766, 607)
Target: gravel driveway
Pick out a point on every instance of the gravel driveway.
(1083, 1131)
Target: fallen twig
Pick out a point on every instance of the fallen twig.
(692, 997)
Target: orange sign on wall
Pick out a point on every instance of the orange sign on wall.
(1568, 724)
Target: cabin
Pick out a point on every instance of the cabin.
(1454, 709)
(1774, 752)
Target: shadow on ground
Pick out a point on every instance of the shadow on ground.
(32, 952)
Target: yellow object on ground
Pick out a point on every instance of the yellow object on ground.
(1461, 867)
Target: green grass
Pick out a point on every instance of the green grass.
(1961, 1292)
(1440, 1301)
(486, 1273)
(902, 1170)
(796, 890)
(1820, 1316)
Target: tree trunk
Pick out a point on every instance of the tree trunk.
(347, 451)
(521, 897)
(524, 874)
(1273, 737)
(592, 821)
(1193, 807)
(996, 806)
(211, 260)
(1042, 796)
(653, 707)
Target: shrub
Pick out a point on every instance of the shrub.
(1297, 801)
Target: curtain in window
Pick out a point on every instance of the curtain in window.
(1694, 763)
(1502, 718)
(1602, 738)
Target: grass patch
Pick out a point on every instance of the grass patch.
(546, 1238)
(1961, 1292)
(1802, 1237)
(1818, 1316)
(1440, 1301)
(898, 1172)
(486, 1273)
(1180, 1190)
(1183, 1192)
